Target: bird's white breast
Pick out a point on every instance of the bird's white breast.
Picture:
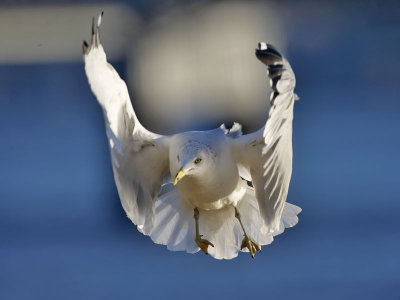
(219, 184)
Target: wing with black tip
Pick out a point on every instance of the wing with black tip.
(267, 153)
(139, 157)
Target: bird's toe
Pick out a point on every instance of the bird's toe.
(203, 244)
(250, 244)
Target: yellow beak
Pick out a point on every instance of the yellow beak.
(179, 176)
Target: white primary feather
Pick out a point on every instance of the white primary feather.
(139, 158)
(267, 153)
(144, 163)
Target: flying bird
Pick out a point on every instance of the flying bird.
(220, 191)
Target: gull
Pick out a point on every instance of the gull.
(219, 190)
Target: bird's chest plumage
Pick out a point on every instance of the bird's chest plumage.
(221, 187)
(215, 181)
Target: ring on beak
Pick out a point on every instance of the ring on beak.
(179, 176)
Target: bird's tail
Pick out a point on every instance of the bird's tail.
(174, 225)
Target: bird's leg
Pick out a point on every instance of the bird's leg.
(247, 242)
(202, 243)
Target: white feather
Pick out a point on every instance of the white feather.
(139, 158)
(270, 162)
(174, 225)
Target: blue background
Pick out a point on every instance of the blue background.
(64, 235)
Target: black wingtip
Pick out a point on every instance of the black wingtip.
(272, 97)
(85, 47)
(272, 49)
(268, 54)
(93, 20)
(95, 41)
(97, 30)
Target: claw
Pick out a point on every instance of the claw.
(247, 242)
(250, 244)
(203, 243)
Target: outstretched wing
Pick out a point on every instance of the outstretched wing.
(139, 157)
(267, 153)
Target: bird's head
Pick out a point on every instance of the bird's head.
(194, 159)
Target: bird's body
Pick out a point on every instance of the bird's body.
(217, 187)
(176, 187)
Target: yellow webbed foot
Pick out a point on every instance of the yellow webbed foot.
(203, 244)
(250, 244)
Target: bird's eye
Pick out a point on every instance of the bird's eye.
(197, 161)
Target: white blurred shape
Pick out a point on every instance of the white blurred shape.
(196, 65)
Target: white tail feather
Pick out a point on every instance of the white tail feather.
(174, 225)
